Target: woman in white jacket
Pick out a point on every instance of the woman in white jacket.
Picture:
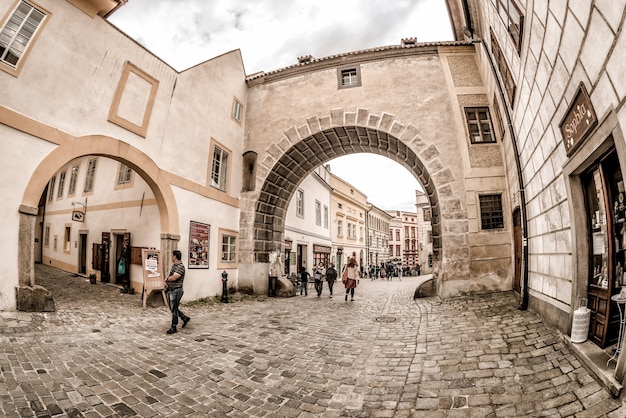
(353, 276)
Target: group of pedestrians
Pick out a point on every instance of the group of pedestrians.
(349, 278)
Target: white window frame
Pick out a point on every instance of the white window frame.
(325, 217)
(18, 32)
(348, 77)
(300, 203)
(219, 168)
(90, 177)
(228, 248)
(62, 175)
(318, 213)
(52, 183)
(237, 110)
(124, 174)
(73, 180)
(339, 228)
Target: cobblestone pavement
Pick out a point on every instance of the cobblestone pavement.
(384, 355)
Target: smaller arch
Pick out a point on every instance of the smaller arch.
(104, 146)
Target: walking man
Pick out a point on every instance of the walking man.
(174, 286)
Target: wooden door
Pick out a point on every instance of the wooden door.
(600, 185)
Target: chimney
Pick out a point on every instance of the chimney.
(304, 59)
(408, 42)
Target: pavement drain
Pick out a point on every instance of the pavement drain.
(386, 319)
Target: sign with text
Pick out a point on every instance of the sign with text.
(579, 119)
(199, 245)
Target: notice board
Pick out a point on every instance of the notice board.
(152, 267)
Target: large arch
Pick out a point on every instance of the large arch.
(322, 138)
(69, 149)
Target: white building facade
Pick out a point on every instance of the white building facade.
(424, 233)
(377, 227)
(307, 226)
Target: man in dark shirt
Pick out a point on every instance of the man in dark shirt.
(174, 283)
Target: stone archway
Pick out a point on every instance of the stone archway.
(323, 138)
(28, 294)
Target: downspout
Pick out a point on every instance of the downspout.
(469, 32)
(522, 195)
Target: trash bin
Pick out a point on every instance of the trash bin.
(273, 283)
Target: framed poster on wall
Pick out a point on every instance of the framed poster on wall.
(199, 245)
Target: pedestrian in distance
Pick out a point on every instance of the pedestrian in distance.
(174, 286)
(318, 275)
(331, 276)
(352, 272)
(304, 279)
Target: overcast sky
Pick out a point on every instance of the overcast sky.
(272, 34)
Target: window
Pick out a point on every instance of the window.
(46, 236)
(339, 205)
(479, 125)
(91, 174)
(219, 168)
(318, 213)
(53, 181)
(339, 228)
(397, 250)
(349, 77)
(427, 214)
(505, 73)
(18, 32)
(237, 110)
(229, 248)
(300, 203)
(513, 20)
(430, 236)
(125, 174)
(397, 235)
(326, 217)
(73, 180)
(61, 184)
(491, 215)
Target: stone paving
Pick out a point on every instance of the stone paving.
(384, 355)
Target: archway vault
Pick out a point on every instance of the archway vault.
(291, 159)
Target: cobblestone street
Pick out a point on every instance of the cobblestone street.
(384, 355)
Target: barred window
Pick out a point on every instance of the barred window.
(491, 214)
(479, 125)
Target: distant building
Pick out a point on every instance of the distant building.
(403, 245)
(307, 226)
(348, 209)
(424, 233)
(377, 227)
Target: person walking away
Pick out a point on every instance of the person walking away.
(353, 275)
(174, 285)
(304, 278)
(383, 273)
(331, 276)
(318, 275)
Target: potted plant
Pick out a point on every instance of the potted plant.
(92, 278)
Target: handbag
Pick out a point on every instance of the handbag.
(121, 267)
(344, 274)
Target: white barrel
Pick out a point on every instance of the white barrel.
(580, 325)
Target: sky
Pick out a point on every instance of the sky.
(272, 34)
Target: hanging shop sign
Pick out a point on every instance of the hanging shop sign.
(78, 216)
(579, 120)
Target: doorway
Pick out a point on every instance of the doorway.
(82, 254)
(603, 188)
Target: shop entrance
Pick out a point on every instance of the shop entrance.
(605, 213)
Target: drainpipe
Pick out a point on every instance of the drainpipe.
(522, 195)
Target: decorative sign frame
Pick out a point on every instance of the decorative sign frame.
(78, 216)
(578, 121)
(199, 234)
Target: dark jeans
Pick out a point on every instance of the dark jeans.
(303, 287)
(318, 287)
(331, 283)
(173, 299)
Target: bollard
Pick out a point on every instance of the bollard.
(224, 287)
